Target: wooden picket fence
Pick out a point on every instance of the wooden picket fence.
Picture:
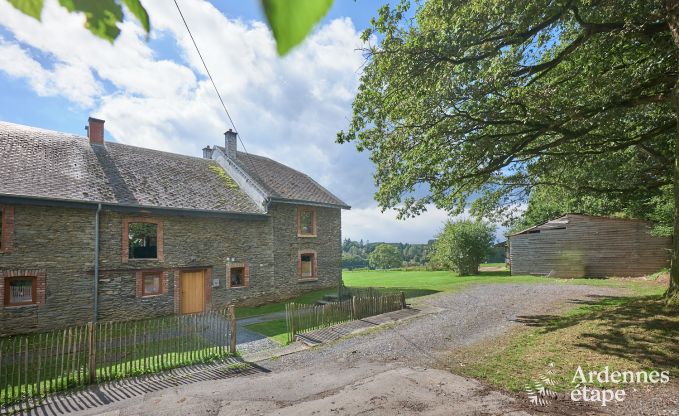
(32, 366)
(367, 302)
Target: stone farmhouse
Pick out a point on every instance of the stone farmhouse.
(95, 230)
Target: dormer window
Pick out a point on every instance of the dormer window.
(306, 222)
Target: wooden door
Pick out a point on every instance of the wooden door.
(193, 292)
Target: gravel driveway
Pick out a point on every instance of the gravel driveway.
(391, 371)
(478, 313)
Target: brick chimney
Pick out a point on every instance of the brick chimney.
(207, 152)
(95, 130)
(230, 138)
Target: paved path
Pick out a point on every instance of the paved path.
(397, 370)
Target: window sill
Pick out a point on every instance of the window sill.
(307, 279)
(238, 287)
(307, 235)
(151, 296)
(26, 305)
(149, 259)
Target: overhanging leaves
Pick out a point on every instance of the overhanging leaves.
(32, 8)
(101, 16)
(292, 20)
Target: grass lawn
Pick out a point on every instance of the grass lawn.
(632, 333)
(276, 330)
(309, 297)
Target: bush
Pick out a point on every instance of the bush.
(385, 256)
(462, 246)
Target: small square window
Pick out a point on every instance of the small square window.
(19, 291)
(143, 240)
(151, 284)
(307, 266)
(237, 277)
(307, 222)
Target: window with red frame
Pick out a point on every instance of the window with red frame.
(20, 290)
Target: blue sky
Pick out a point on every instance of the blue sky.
(155, 93)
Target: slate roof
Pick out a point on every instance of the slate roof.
(47, 164)
(283, 182)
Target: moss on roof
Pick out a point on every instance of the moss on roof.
(228, 180)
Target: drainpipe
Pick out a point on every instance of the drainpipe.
(96, 264)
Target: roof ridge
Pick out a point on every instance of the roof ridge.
(85, 138)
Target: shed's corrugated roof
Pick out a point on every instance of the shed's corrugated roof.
(562, 222)
(47, 164)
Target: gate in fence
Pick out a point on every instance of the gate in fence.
(32, 366)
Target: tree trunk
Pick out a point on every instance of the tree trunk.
(672, 8)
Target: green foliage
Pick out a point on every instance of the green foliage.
(385, 256)
(547, 203)
(352, 261)
(486, 100)
(355, 253)
(662, 211)
(101, 16)
(292, 20)
(463, 245)
(32, 8)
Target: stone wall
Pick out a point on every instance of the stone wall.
(327, 244)
(59, 242)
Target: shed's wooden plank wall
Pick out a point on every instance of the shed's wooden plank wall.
(591, 247)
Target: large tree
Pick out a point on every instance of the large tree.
(489, 99)
(385, 256)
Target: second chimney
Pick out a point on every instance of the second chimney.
(95, 130)
(230, 139)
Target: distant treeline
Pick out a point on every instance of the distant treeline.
(355, 253)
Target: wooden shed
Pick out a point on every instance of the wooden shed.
(588, 246)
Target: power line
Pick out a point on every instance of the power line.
(186, 25)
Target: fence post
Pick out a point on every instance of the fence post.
(353, 308)
(403, 300)
(92, 354)
(232, 326)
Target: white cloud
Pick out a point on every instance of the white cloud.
(287, 108)
(376, 226)
(369, 223)
(74, 83)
